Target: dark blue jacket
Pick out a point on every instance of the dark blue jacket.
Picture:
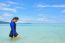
(13, 27)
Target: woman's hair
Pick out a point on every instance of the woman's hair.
(16, 18)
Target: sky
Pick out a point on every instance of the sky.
(33, 11)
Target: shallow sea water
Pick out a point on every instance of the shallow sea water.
(34, 33)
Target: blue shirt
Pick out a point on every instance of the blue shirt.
(13, 27)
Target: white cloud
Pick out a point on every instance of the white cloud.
(42, 19)
(5, 7)
(12, 2)
(6, 17)
(7, 14)
(1, 18)
(42, 6)
(3, 4)
(19, 7)
(25, 20)
(63, 11)
(9, 9)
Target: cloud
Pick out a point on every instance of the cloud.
(19, 7)
(3, 16)
(25, 20)
(5, 7)
(43, 6)
(3, 4)
(42, 19)
(12, 2)
(8, 6)
(7, 14)
(45, 18)
(9, 9)
(63, 11)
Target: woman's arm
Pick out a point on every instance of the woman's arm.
(12, 27)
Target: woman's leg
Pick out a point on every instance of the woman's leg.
(11, 34)
(16, 34)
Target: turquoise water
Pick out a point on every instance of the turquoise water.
(34, 33)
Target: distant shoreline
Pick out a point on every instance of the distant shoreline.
(34, 23)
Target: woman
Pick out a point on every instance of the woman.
(13, 32)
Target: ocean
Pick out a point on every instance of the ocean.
(34, 33)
